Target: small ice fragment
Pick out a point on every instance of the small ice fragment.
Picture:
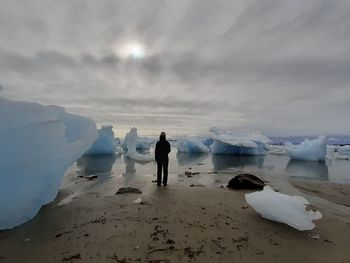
(69, 198)
(138, 200)
(315, 236)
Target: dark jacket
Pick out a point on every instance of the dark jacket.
(162, 149)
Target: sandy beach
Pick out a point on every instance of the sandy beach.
(184, 222)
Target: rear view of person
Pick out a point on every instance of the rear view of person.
(162, 159)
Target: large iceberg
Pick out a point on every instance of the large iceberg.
(191, 145)
(283, 208)
(38, 144)
(105, 143)
(308, 150)
(239, 143)
(131, 139)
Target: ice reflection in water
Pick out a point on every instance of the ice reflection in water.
(307, 170)
(129, 167)
(190, 159)
(222, 162)
(96, 164)
(273, 167)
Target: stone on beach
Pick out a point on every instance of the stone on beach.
(128, 190)
(246, 181)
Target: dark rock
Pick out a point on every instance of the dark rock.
(246, 181)
(128, 190)
(72, 258)
(170, 241)
(92, 177)
(189, 174)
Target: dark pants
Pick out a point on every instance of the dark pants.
(162, 165)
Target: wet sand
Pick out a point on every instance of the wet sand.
(178, 223)
(337, 193)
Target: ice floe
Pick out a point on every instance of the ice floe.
(283, 208)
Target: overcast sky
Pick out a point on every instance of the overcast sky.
(282, 67)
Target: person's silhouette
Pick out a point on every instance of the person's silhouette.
(162, 159)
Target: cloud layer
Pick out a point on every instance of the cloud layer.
(279, 66)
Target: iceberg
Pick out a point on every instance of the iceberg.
(105, 143)
(38, 144)
(308, 150)
(131, 139)
(143, 144)
(283, 208)
(239, 143)
(191, 145)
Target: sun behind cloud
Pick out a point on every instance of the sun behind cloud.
(132, 49)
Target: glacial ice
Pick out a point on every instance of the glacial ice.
(283, 208)
(105, 143)
(143, 144)
(239, 143)
(207, 141)
(277, 150)
(191, 145)
(38, 144)
(130, 142)
(308, 150)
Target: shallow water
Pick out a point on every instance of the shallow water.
(214, 171)
(335, 171)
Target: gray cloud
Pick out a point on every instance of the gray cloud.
(279, 66)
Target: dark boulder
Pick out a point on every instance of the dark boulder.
(246, 181)
(128, 190)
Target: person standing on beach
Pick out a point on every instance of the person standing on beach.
(162, 159)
